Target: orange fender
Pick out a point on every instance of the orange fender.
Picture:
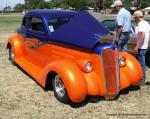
(124, 78)
(95, 84)
(15, 41)
(132, 68)
(71, 76)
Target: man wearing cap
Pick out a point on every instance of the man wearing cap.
(142, 40)
(123, 25)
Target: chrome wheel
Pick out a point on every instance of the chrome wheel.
(11, 55)
(59, 89)
(59, 86)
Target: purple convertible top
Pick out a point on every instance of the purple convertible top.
(83, 30)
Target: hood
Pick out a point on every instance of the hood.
(83, 31)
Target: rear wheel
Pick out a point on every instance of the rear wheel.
(147, 58)
(59, 89)
(11, 55)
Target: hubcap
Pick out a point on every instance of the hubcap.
(59, 86)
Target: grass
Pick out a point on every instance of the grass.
(9, 23)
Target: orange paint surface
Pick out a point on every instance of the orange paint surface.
(38, 59)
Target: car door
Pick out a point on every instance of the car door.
(35, 38)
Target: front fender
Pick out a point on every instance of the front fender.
(15, 42)
(132, 73)
(71, 76)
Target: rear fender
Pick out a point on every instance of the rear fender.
(16, 43)
(71, 76)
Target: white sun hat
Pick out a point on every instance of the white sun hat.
(117, 3)
(138, 14)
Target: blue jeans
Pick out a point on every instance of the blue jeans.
(141, 57)
(123, 40)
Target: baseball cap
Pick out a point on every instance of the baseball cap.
(117, 3)
(138, 14)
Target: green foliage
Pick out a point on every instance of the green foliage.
(64, 5)
(35, 4)
(128, 3)
(19, 7)
(102, 4)
(141, 3)
(9, 23)
(77, 4)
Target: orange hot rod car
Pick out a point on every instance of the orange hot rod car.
(63, 48)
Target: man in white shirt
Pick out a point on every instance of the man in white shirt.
(142, 36)
(123, 25)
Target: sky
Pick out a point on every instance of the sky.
(11, 3)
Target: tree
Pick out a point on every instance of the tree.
(77, 4)
(128, 3)
(19, 7)
(140, 4)
(102, 4)
(34, 4)
(7, 9)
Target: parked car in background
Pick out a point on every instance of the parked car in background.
(63, 48)
(110, 24)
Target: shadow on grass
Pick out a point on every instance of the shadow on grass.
(96, 99)
(147, 83)
(127, 90)
(89, 99)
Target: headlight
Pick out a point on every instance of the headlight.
(88, 66)
(122, 61)
(85, 65)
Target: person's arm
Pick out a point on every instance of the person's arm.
(140, 41)
(118, 33)
(119, 28)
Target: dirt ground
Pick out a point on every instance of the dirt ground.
(22, 98)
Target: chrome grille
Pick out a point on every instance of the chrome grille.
(111, 72)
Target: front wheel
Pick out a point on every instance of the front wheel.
(59, 89)
(147, 58)
(11, 55)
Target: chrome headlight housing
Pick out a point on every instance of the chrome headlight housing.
(122, 61)
(85, 65)
(88, 67)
